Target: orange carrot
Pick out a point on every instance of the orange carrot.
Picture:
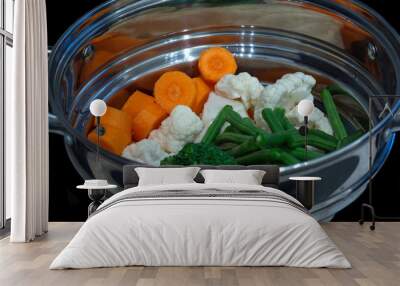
(216, 62)
(113, 139)
(117, 119)
(146, 121)
(174, 88)
(203, 90)
(137, 102)
(142, 108)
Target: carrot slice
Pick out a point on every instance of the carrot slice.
(137, 102)
(117, 119)
(203, 90)
(174, 88)
(216, 62)
(113, 139)
(153, 113)
(147, 120)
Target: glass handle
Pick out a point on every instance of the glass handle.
(56, 127)
(394, 126)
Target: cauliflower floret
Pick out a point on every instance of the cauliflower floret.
(145, 151)
(243, 86)
(181, 127)
(316, 119)
(286, 92)
(214, 105)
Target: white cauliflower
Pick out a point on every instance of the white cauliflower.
(214, 105)
(242, 86)
(181, 127)
(316, 119)
(145, 151)
(286, 92)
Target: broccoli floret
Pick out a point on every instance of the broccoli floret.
(199, 154)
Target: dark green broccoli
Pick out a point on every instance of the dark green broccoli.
(199, 154)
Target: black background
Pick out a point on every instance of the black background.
(69, 204)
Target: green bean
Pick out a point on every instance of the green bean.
(349, 139)
(231, 137)
(227, 146)
(312, 140)
(237, 122)
(273, 140)
(227, 114)
(286, 124)
(302, 155)
(249, 122)
(259, 157)
(244, 148)
(272, 120)
(286, 158)
(321, 143)
(333, 115)
(279, 113)
(322, 134)
(246, 121)
(267, 156)
(215, 128)
(231, 129)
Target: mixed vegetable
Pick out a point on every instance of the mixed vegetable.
(220, 118)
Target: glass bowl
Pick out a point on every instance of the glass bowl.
(125, 45)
